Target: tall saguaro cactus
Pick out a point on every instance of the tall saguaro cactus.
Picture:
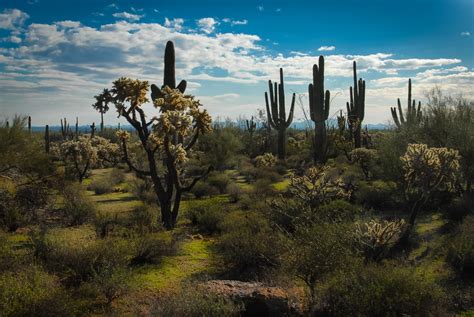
(29, 124)
(251, 126)
(46, 139)
(64, 128)
(356, 108)
(413, 115)
(276, 112)
(319, 110)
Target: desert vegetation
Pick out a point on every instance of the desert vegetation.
(177, 215)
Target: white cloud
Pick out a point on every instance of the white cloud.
(234, 22)
(12, 19)
(260, 8)
(176, 24)
(14, 39)
(128, 16)
(63, 61)
(326, 48)
(466, 33)
(207, 25)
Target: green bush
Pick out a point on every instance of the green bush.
(235, 192)
(206, 216)
(144, 218)
(202, 189)
(102, 185)
(76, 256)
(248, 243)
(78, 208)
(219, 181)
(377, 194)
(193, 302)
(149, 248)
(459, 208)
(461, 248)
(375, 290)
(143, 190)
(33, 292)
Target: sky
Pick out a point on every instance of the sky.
(56, 55)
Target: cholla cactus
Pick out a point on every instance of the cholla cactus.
(81, 155)
(166, 139)
(316, 187)
(375, 238)
(427, 170)
(265, 160)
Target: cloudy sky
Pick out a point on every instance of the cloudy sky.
(56, 55)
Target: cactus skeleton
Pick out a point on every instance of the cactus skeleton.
(276, 112)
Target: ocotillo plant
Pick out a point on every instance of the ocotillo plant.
(276, 112)
(413, 115)
(251, 126)
(319, 110)
(64, 128)
(356, 108)
(29, 124)
(46, 139)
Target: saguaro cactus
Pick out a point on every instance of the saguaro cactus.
(76, 132)
(413, 115)
(251, 126)
(276, 112)
(92, 129)
(29, 124)
(46, 139)
(64, 128)
(356, 108)
(319, 110)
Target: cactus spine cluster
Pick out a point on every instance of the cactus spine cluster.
(356, 108)
(413, 115)
(319, 110)
(276, 112)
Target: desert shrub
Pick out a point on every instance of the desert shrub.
(149, 248)
(31, 197)
(102, 185)
(459, 208)
(248, 243)
(365, 159)
(144, 219)
(77, 209)
(117, 176)
(143, 190)
(11, 217)
(219, 181)
(10, 258)
(235, 192)
(202, 189)
(461, 248)
(375, 290)
(377, 194)
(220, 147)
(263, 188)
(33, 292)
(111, 283)
(313, 252)
(193, 302)
(76, 257)
(206, 216)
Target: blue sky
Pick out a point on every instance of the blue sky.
(55, 55)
